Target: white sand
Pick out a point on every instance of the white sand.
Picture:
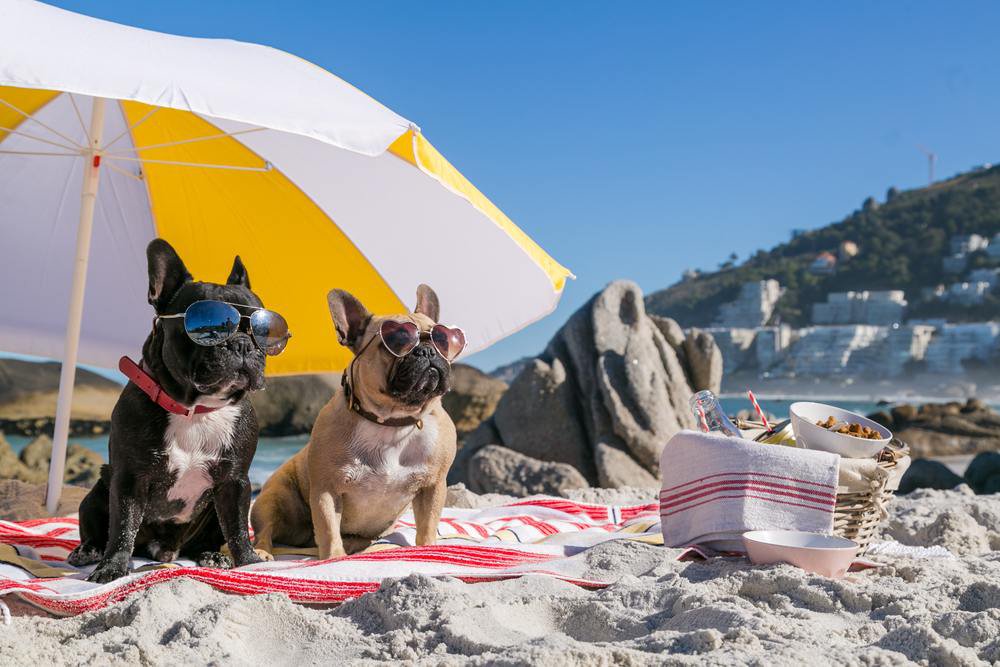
(940, 611)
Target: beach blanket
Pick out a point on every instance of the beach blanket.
(536, 536)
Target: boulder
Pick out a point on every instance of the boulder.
(927, 474)
(28, 391)
(497, 469)
(641, 382)
(604, 397)
(703, 360)
(672, 332)
(11, 466)
(983, 473)
(83, 466)
(485, 434)
(473, 397)
(289, 405)
(902, 414)
(539, 418)
(20, 501)
(616, 469)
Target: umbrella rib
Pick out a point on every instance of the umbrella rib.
(31, 136)
(232, 167)
(4, 152)
(129, 129)
(170, 144)
(79, 117)
(28, 116)
(124, 172)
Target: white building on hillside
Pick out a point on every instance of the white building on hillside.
(876, 307)
(963, 245)
(752, 308)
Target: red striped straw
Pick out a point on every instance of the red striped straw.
(701, 417)
(756, 406)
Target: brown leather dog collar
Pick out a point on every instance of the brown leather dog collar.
(355, 406)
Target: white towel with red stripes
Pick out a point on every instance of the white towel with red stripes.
(715, 488)
(538, 536)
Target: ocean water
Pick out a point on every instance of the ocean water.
(272, 452)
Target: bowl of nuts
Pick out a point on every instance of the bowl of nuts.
(832, 429)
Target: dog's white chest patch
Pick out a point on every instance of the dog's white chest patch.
(391, 457)
(192, 445)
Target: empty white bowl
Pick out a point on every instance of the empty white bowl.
(821, 554)
(809, 435)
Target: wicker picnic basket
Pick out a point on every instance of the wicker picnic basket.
(856, 516)
(858, 513)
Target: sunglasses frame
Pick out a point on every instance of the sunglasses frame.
(424, 335)
(253, 336)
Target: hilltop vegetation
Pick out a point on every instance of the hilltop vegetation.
(901, 241)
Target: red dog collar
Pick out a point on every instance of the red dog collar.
(151, 387)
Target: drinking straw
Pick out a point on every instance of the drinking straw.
(704, 421)
(760, 413)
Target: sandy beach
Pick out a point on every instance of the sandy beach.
(942, 611)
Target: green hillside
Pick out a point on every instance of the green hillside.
(902, 242)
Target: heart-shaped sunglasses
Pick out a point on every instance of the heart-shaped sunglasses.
(211, 323)
(401, 338)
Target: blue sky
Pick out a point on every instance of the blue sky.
(633, 140)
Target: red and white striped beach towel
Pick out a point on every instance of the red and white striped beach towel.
(536, 536)
(715, 488)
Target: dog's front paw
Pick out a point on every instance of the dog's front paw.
(265, 556)
(215, 559)
(250, 558)
(108, 571)
(84, 554)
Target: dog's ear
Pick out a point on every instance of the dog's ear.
(427, 302)
(350, 318)
(239, 275)
(167, 273)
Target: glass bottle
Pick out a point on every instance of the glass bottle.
(710, 415)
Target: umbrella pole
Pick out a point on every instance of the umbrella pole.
(67, 377)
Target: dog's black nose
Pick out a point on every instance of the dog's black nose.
(242, 345)
(424, 350)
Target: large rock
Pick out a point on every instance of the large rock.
(289, 405)
(640, 379)
(83, 466)
(616, 469)
(941, 429)
(11, 466)
(927, 474)
(485, 434)
(28, 390)
(605, 396)
(703, 360)
(473, 397)
(20, 501)
(554, 431)
(495, 469)
(983, 473)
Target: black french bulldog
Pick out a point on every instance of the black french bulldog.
(177, 485)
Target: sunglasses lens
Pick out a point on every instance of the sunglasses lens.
(399, 337)
(449, 342)
(210, 322)
(270, 330)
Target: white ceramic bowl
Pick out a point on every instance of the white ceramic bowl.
(809, 435)
(822, 554)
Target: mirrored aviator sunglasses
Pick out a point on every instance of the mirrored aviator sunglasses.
(401, 338)
(211, 323)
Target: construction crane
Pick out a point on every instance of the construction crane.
(931, 159)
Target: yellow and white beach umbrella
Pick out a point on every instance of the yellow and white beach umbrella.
(111, 136)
